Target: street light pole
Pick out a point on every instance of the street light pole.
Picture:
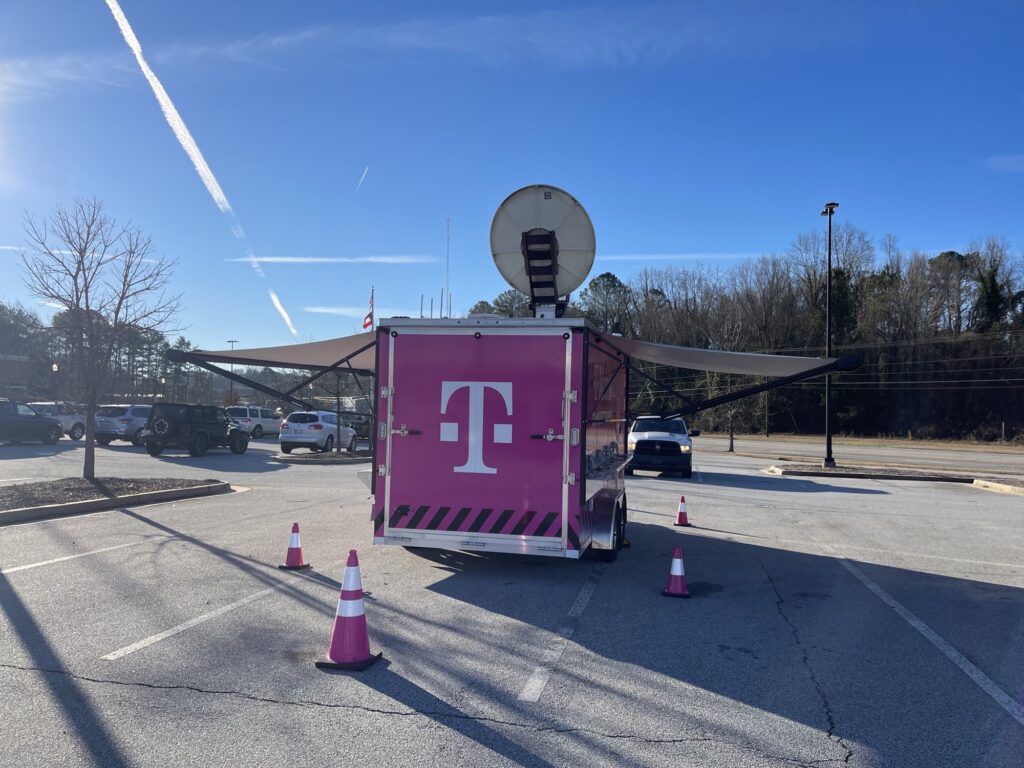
(828, 462)
(231, 382)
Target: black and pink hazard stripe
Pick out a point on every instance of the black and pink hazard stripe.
(486, 520)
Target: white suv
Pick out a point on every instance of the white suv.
(314, 430)
(256, 421)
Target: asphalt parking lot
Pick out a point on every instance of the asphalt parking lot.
(854, 622)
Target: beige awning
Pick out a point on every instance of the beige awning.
(747, 363)
(313, 354)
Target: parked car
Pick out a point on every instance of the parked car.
(195, 427)
(660, 444)
(256, 421)
(314, 430)
(19, 422)
(70, 416)
(120, 422)
(362, 423)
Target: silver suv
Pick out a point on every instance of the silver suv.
(121, 422)
(70, 416)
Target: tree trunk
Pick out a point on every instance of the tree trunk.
(89, 465)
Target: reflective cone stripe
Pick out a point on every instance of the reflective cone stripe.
(350, 642)
(293, 560)
(681, 518)
(676, 576)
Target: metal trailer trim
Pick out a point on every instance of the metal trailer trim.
(491, 331)
(476, 322)
(459, 541)
(390, 430)
(566, 424)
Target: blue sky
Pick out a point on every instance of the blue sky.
(713, 128)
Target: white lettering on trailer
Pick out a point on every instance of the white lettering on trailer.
(475, 429)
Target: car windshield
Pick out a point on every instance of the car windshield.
(672, 426)
(112, 410)
(302, 418)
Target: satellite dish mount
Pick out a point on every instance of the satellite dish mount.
(543, 245)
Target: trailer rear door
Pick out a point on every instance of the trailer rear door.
(477, 444)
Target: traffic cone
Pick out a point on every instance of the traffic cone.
(350, 642)
(681, 515)
(293, 560)
(676, 577)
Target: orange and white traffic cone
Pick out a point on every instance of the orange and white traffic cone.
(681, 514)
(350, 641)
(293, 560)
(676, 577)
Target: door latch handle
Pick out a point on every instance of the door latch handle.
(550, 436)
(404, 431)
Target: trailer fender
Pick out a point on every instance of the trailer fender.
(606, 503)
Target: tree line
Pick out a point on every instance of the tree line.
(941, 337)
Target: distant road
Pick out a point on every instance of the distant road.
(946, 457)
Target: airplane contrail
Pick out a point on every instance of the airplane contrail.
(337, 260)
(174, 120)
(184, 137)
(365, 170)
(283, 312)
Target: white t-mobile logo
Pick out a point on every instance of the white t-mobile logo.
(450, 429)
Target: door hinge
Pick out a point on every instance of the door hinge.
(386, 392)
(570, 479)
(382, 470)
(571, 395)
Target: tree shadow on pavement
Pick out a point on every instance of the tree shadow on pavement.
(79, 712)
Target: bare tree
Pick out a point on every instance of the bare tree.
(109, 285)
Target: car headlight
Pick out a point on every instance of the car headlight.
(684, 448)
(632, 445)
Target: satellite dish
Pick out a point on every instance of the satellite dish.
(543, 243)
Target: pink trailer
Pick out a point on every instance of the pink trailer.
(498, 434)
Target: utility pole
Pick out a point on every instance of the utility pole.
(828, 462)
(231, 382)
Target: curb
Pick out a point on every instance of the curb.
(849, 462)
(285, 459)
(48, 511)
(988, 485)
(773, 470)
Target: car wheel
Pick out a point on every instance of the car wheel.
(257, 433)
(609, 555)
(137, 438)
(77, 432)
(239, 442)
(161, 426)
(154, 447)
(103, 440)
(200, 444)
(629, 471)
(688, 472)
(328, 444)
(352, 445)
(286, 449)
(53, 435)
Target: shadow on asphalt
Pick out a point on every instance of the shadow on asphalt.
(35, 450)
(223, 460)
(758, 482)
(79, 711)
(789, 633)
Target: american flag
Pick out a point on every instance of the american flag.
(368, 320)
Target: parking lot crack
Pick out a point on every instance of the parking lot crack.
(826, 705)
(432, 714)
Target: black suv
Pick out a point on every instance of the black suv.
(196, 427)
(19, 423)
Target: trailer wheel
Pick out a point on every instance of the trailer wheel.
(609, 555)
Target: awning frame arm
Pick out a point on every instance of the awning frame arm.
(252, 384)
(627, 361)
(306, 382)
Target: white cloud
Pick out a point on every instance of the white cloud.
(1006, 163)
(339, 259)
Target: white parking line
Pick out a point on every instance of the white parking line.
(152, 639)
(80, 554)
(983, 681)
(15, 479)
(539, 679)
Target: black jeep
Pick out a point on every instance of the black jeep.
(196, 427)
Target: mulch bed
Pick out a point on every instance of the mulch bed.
(77, 489)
